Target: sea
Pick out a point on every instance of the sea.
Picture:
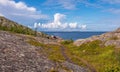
(74, 35)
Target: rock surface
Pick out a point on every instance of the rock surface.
(16, 55)
(110, 38)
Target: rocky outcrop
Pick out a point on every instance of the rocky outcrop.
(113, 42)
(9, 25)
(17, 55)
(110, 38)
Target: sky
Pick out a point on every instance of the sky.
(63, 15)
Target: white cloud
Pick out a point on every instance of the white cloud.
(73, 25)
(58, 17)
(58, 24)
(83, 26)
(35, 25)
(19, 11)
(16, 6)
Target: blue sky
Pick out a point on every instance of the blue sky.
(64, 15)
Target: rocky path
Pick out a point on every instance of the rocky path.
(90, 67)
(65, 55)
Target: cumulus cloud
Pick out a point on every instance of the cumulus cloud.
(58, 24)
(19, 5)
(58, 17)
(20, 10)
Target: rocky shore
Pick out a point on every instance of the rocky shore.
(110, 38)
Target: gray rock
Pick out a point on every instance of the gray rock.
(110, 38)
(116, 43)
(17, 55)
(73, 67)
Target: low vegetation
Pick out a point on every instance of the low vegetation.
(52, 51)
(17, 29)
(103, 59)
(67, 42)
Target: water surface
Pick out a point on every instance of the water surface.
(74, 35)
